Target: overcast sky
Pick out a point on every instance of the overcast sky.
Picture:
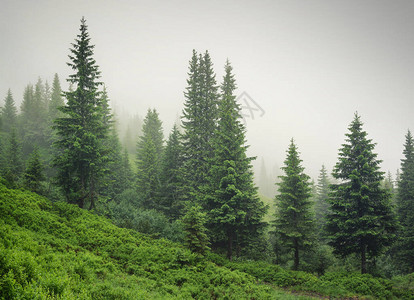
(308, 64)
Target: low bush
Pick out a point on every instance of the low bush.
(58, 251)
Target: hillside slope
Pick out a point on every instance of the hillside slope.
(56, 250)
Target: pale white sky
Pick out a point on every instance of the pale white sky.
(309, 64)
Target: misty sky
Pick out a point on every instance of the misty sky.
(308, 64)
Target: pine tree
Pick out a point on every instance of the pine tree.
(388, 184)
(361, 219)
(56, 99)
(149, 151)
(33, 118)
(321, 204)
(13, 162)
(294, 222)
(47, 96)
(81, 130)
(27, 106)
(55, 103)
(233, 208)
(172, 199)
(119, 177)
(199, 122)
(33, 175)
(9, 113)
(405, 206)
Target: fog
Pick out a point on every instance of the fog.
(308, 65)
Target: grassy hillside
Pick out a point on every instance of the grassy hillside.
(58, 251)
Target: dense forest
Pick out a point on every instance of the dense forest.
(172, 213)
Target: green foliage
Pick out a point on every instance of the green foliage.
(127, 215)
(172, 192)
(196, 238)
(332, 284)
(199, 122)
(33, 175)
(58, 251)
(56, 100)
(81, 158)
(233, 207)
(404, 247)
(118, 175)
(12, 160)
(321, 203)
(8, 113)
(33, 118)
(361, 219)
(149, 151)
(294, 222)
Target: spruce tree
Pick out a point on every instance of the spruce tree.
(13, 162)
(233, 208)
(294, 222)
(388, 184)
(81, 130)
(405, 207)
(199, 122)
(47, 97)
(33, 175)
(119, 176)
(321, 203)
(56, 100)
(9, 113)
(361, 219)
(172, 199)
(149, 151)
(33, 118)
(55, 103)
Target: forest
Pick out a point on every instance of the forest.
(84, 215)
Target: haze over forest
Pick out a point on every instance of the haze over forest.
(309, 64)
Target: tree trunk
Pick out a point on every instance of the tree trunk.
(296, 261)
(363, 259)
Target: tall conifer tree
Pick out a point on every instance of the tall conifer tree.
(9, 113)
(172, 199)
(149, 151)
(321, 204)
(56, 99)
(405, 207)
(13, 162)
(361, 220)
(233, 208)
(294, 222)
(199, 121)
(81, 130)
